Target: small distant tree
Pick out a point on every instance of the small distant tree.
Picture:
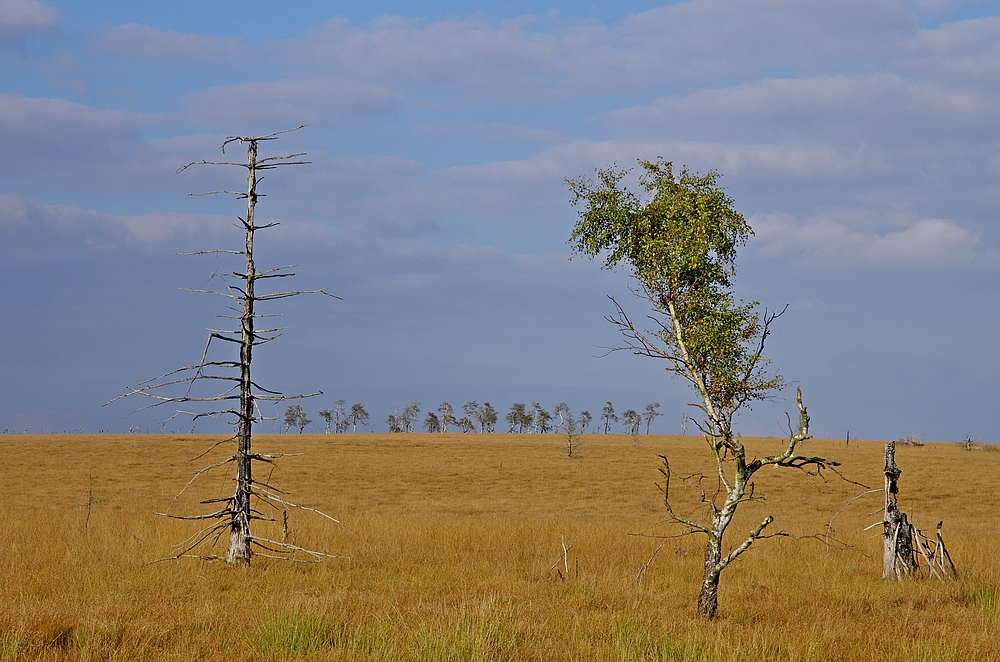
(608, 415)
(358, 415)
(487, 418)
(574, 443)
(327, 415)
(296, 417)
(651, 413)
(560, 412)
(292, 416)
(527, 419)
(465, 422)
(447, 416)
(540, 419)
(408, 418)
(303, 421)
(340, 417)
(516, 417)
(394, 421)
(679, 240)
(631, 420)
(585, 419)
(432, 423)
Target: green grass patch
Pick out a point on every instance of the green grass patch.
(297, 633)
(987, 597)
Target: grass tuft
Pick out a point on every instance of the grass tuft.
(987, 597)
(292, 633)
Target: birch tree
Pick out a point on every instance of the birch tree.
(358, 415)
(679, 241)
(631, 420)
(447, 416)
(432, 423)
(339, 417)
(239, 394)
(466, 421)
(608, 415)
(327, 415)
(651, 413)
(487, 418)
(561, 411)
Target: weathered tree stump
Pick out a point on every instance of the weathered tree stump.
(898, 559)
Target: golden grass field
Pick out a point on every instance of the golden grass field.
(451, 538)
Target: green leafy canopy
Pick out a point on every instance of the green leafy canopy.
(680, 243)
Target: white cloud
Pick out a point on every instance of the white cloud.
(876, 109)
(51, 227)
(483, 57)
(143, 41)
(290, 102)
(58, 136)
(20, 18)
(833, 240)
(547, 57)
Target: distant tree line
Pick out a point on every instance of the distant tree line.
(483, 418)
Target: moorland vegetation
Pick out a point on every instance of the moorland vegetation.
(452, 540)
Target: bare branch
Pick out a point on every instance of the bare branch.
(642, 570)
(199, 473)
(214, 252)
(274, 497)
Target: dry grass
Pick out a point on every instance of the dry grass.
(451, 538)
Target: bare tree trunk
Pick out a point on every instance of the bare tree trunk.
(708, 599)
(898, 559)
(239, 510)
(239, 538)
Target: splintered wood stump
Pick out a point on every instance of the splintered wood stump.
(898, 559)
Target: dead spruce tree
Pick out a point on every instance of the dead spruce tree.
(239, 394)
(680, 243)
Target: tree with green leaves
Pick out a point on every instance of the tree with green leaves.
(679, 241)
(585, 419)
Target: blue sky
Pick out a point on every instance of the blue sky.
(859, 138)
